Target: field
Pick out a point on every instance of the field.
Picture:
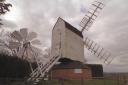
(67, 82)
(89, 82)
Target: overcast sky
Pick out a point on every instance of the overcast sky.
(110, 29)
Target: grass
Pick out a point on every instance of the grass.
(89, 82)
(60, 82)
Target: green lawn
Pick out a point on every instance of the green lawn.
(58, 82)
(89, 82)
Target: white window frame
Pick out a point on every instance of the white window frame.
(77, 70)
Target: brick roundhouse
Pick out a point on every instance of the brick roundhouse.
(71, 70)
(75, 70)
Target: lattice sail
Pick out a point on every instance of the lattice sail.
(98, 51)
(40, 72)
(91, 15)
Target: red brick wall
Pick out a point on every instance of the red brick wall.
(70, 74)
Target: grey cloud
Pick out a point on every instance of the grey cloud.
(37, 15)
(9, 24)
(109, 30)
(116, 68)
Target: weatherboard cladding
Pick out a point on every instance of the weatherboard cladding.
(71, 39)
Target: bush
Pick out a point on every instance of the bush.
(14, 67)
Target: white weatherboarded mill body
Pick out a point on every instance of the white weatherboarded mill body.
(67, 41)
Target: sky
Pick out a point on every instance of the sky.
(110, 30)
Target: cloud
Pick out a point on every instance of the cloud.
(109, 30)
(9, 24)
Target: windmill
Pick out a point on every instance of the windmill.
(86, 23)
(68, 42)
(22, 43)
(73, 41)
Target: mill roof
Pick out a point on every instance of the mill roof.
(70, 27)
(73, 29)
(70, 64)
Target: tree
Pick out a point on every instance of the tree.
(4, 7)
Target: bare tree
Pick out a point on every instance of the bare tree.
(4, 7)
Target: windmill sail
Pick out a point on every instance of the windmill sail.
(98, 51)
(36, 42)
(24, 32)
(91, 15)
(32, 35)
(42, 69)
(22, 40)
